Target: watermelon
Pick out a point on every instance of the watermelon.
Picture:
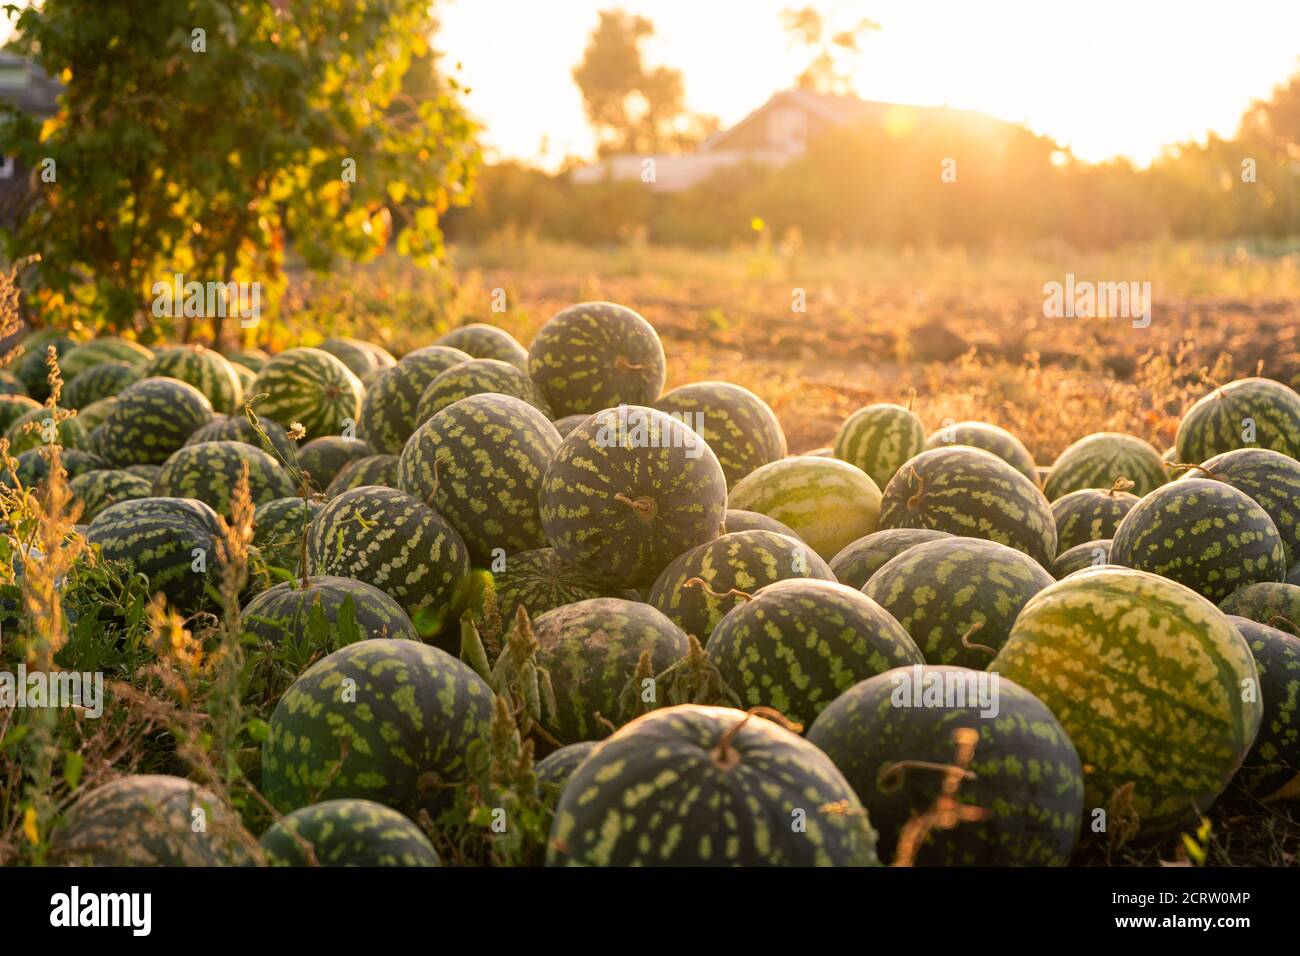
(1293, 576)
(828, 503)
(629, 490)
(1247, 413)
(148, 472)
(994, 440)
(736, 424)
(1271, 479)
(361, 358)
(310, 387)
(591, 650)
(278, 529)
(45, 430)
(209, 472)
(1025, 772)
(171, 541)
(480, 463)
(151, 420)
(97, 490)
(285, 612)
(400, 545)
(743, 561)
(9, 384)
(796, 645)
(1096, 461)
(857, 562)
(1273, 763)
(389, 413)
(379, 470)
(208, 371)
(32, 368)
(487, 341)
(277, 442)
(34, 466)
(95, 414)
(941, 591)
(1090, 554)
(568, 423)
(476, 377)
(971, 492)
(1201, 533)
(148, 820)
(103, 351)
(1272, 603)
(99, 381)
(737, 519)
(1089, 514)
(347, 833)
(539, 581)
(323, 458)
(13, 407)
(596, 355)
(555, 769)
(385, 720)
(251, 359)
(878, 439)
(709, 786)
(1146, 677)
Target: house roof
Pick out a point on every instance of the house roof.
(25, 85)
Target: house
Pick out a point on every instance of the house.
(774, 134)
(23, 85)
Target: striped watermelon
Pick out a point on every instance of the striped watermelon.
(311, 387)
(1024, 771)
(994, 440)
(323, 458)
(739, 520)
(13, 407)
(857, 562)
(742, 561)
(34, 466)
(828, 503)
(629, 490)
(941, 591)
(151, 420)
(591, 650)
(99, 381)
(210, 471)
(1272, 603)
(1089, 514)
(568, 423)
(208, 371)
(1271, 479)
(1135, 667)
(1273, 763)
(95, 414)
(9, 383)
(385, 720)
(555, 769)
(347, 833)
(1247, 413)
(360, 357)
(1090, 554)
(278, 529)
(251, 359)
(390, 411)
(971, 492)
(596, 355)
(487, 341)
(736, 424)
(476, 377)
(539, 581)
(45, 430)
(96, 490)
(102, 351)
(400, 545)
(277, 443)
(31, 367)
(1293, 576)
(796, 645)
(480, 463)
(878, 439)
(1096, 461)
(379, 470)
(712, 786)
(1201, 533)
(286, 612)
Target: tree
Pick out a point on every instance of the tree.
(201, 136)
(1276, 120)
(826, 72)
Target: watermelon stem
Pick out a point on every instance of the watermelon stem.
(731, 592)
(644, 507)
(971, 645)
(725, 757)
(896, 769)
(1121, 485)
(1188, 466)
(623, 365)
(915, 500)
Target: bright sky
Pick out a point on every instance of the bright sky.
(1105, 77)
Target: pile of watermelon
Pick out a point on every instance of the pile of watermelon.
(913, 646)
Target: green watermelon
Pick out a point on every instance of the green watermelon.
(743, 561)
(1271, 479)
(1201, 533)
(857, 562)
(209, 472)
(736, 424)
(13, 407)
(971, 492)
(102, 351)
(96, 490)
(361, 358)
(568, 423)
(591, 650)
(95, 414)
(941, 591)
(99, 381)
(708, 786)
(310, 387)
(1098, 460)
(149, 820)
(487, 341)
(1293, 576)
(994, 440)
(629, 490)
(1090, 554)
(539, 581)
(1273, 763)
(389, 412)
(32, 369)
(347, 833)
(277, 442)
(796, 645)
(476, 377)
(1272, 603)
(480, 463)
(9, 384)
(251, 359)
(206, 370)
(285, 611)
(1247, 413)
(379, 470)
(594, 356)
(1089, 514)
(34, 466)
(828, 503)
(385, 720)
(151, 420)
(44, 430)
(739, 520)
(278, 529)
(323, 458)
(1146, 677)
(400, 545)
(148, 472)
(555, 769)
(877, 439)
(1024, 771)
